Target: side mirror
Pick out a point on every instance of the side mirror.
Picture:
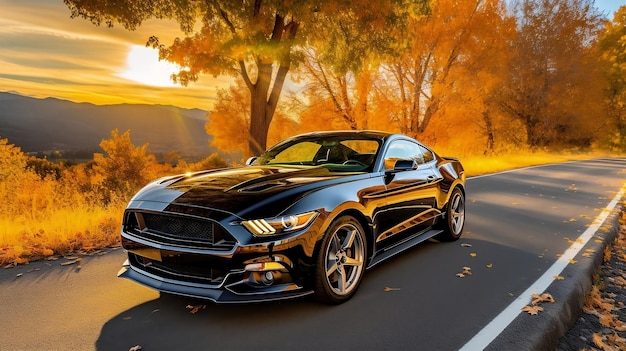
(250, 160)
(404, 165)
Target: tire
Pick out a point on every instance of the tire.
(340, 261)
(455, 217)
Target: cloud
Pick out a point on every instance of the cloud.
(43, 52)
(37, 79)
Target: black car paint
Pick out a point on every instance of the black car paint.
(226, 197)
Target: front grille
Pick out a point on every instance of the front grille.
(178, 230)
(178, 269)
(183, 228)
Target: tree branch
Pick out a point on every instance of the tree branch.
(224, 16)
(245, 76)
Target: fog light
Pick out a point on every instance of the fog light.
(267, 278)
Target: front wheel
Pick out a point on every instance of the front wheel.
(455, 217)
(340, 261)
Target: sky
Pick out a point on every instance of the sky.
(45, 53)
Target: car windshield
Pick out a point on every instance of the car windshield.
(338, 153)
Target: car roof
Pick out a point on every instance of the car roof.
(342, 133)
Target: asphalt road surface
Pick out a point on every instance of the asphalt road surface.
(518, 223)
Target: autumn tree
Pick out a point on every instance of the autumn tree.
(471, 118)
(254, 40)
(551, 76)
(419, 79)
(340, 97)
(229, 122)
(613, 51)
(13, 161)
(123, 168)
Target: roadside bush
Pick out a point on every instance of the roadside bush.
(48, 209)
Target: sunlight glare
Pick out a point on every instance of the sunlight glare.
(143, 66)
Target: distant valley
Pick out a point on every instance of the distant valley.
(46, 125)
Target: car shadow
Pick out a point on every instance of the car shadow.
(416, 291)
(179, 323)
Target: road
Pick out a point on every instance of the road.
(518, 223)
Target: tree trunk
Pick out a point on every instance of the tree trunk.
(263, 94)
(489, 132)
(259, 118)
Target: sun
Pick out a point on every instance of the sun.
(143, 66)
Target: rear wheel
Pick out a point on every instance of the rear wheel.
(455, 217)
(340, 261)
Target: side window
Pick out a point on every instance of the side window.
(403, 150)
(428, 155)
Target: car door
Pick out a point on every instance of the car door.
(411, 191)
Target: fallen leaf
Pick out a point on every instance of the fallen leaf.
(558, 277)
(466, 271)
(71, 262)
(473, 254)
(490, 265)
(598, 340)
(47, 252)
(387, 289)
(547, 298)
(572, 261)
(542, 298)
(196, 308)
(606, 320)
(533, 310)
(135, 348)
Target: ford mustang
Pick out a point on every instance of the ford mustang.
(308, 216)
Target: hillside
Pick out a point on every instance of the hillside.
(42, 125)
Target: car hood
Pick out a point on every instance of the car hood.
(244, 191)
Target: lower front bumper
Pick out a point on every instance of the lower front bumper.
(221, 295)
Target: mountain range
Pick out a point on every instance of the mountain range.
(47, 125)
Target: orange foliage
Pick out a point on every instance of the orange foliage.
(78, 209)
(458, 72)
(230, 120)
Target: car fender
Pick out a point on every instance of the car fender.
(347, 199)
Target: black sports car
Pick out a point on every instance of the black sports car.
(308, 216)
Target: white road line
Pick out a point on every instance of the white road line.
(481, 340)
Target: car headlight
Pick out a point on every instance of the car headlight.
(279, 225)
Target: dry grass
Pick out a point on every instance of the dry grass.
(59, 232)
(479, 164)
